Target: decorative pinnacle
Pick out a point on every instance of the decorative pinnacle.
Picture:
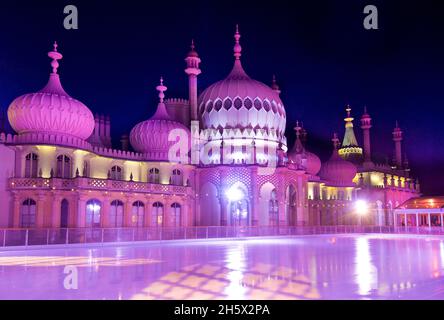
(274, 85)
(237, 47)
(161, 88)
(335, 141)
(55, 56)
(348, 109)
(298, 129)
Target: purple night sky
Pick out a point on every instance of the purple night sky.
(321, 54)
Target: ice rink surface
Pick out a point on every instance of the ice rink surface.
(305, 267)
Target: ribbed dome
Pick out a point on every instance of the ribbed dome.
(241, 102)
(338, 171)
(151, 136)
(51, 110)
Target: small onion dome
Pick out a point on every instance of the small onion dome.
(337, 171)
(51, 110)
(313, 163)
(298, 154)
(151, 137)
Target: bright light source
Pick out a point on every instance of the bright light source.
(361, 207)
(234, 194)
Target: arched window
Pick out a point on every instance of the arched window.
(153, 175)
(31, 165)
(177, 178)
(28, 214)
(157, 214)
(273, 211)
(175, 214)
(138, 214)
(63, 167)
(116, 173)
(116, 214)
(93, 210)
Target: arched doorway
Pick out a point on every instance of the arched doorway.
(209, 205)
(93, 212)
(238, 206)
(157, 214)
(116, 214)
(268, 205)
(175, 214)
(138, 214)
(64, 213)
(28, 214)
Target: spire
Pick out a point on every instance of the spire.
(275, 86)
(298, 147)
(237, 47)
(349, 137)
(161, 112)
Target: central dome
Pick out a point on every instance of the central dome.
(239, 102)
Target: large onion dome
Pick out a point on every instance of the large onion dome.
(152, 136)
(51, 110)
(299, 156)
(337, 171)
(240, 102)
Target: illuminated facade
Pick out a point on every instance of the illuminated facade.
(218, 158)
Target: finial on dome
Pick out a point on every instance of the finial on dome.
(298, 128)
(348, 109)
(192, 52)
(274, 85)
(55, 56)
(161, 88)
(237, 47)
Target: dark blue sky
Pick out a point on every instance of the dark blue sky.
(320, 52)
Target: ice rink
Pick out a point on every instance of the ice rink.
(303, 267)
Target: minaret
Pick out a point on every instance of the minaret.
(366, 124)
(192, 71)
(397, 138)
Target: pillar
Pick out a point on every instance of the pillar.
(128, 212)
(56, 211)
(81, 212)
(148, 217)
(105, 211)
(16, 211)
(40, 219)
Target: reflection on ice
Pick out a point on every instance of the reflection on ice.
(366, 272)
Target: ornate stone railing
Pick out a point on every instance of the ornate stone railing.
(81, 183)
